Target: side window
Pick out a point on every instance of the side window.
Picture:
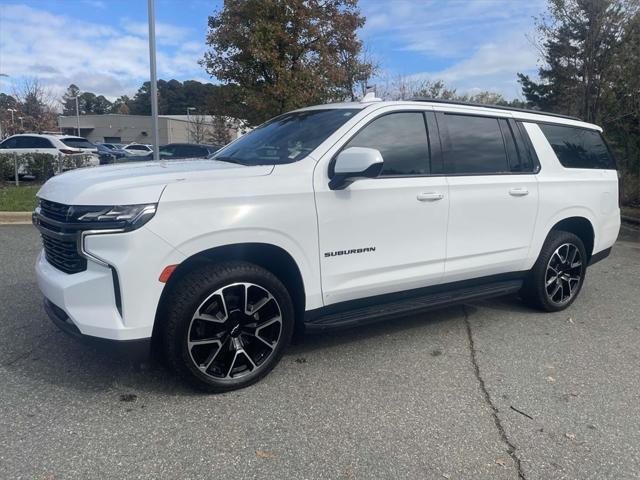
(474, 145)
(40, 142)
(578, 147)
(401, 138)
(25, 142)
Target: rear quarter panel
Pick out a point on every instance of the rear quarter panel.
(573, 192)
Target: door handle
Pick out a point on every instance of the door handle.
(518, 192)
(430, 196)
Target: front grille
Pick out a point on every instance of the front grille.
(63, 254)
(59, 237)
(53, 210)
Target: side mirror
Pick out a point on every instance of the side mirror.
(354, 163)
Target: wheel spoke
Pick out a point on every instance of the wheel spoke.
(227, 339)
(212, 356)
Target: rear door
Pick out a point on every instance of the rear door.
(493, 195)
(385, 234)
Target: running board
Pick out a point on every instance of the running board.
(397, 308)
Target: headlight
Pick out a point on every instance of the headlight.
(128, 217)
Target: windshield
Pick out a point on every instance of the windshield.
(78, 142)
(285, 139)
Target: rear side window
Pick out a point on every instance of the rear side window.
(137, 147)
(77, 142)
(474, 145)
(578, 147)
(401, 138)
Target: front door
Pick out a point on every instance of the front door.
(385, 234)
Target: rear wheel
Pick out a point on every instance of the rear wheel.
(557, 276)
(227, 325)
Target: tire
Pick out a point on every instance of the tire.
(226, 325)
(556, 278)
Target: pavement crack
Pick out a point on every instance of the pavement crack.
(511, 449)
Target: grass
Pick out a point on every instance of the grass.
(18, 199)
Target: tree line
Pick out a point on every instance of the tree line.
(272, 56)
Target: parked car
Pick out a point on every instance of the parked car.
(113, 146)
(138, 149)
(81, 143)
(45, 143)
(174, 151)
(111, 155)
(325, 217)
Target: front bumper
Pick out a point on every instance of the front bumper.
(136, 350)
(115, 298)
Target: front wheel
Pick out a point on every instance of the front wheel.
(557, 276)
(227, 325)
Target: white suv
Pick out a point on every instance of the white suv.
(51, 144)
(138, 149)
(328, 216)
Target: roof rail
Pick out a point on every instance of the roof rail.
(497, 107)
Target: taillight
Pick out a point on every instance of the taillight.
(67, 151)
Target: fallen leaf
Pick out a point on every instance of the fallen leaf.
(264, 454)
(570, 435)
(500, 462)
(570, 320)
(551, 379)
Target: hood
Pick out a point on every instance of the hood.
(138, 182)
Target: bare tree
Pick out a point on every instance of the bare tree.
(37, 106)
(199, 128)
(222, 130)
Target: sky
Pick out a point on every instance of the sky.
(102, 45)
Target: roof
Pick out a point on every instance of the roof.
(468, 108)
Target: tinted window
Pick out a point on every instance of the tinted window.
(578, 147)
(401, 138)
(190, 151)
(32, 142)
(287, 138)
(137, 147)
(475, 145)
(77, 142)
(9, 143)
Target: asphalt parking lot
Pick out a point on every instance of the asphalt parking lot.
(485, 390)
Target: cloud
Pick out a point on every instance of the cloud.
(471, 45)
(111, 60)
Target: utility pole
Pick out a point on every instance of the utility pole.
(154, 80)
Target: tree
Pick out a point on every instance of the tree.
(284, 54)
(579, 40)
(591, 54)
(69, 100)
(36, 106)
(8, 125)
(220, 130)
(121, 105)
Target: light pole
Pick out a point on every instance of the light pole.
(21, 122)
(12, 110)
(77, 112)
(189, 123)
(154, 79)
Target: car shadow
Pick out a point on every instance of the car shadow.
(63, 362)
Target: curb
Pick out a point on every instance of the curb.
(631, 220)
(15, 218)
